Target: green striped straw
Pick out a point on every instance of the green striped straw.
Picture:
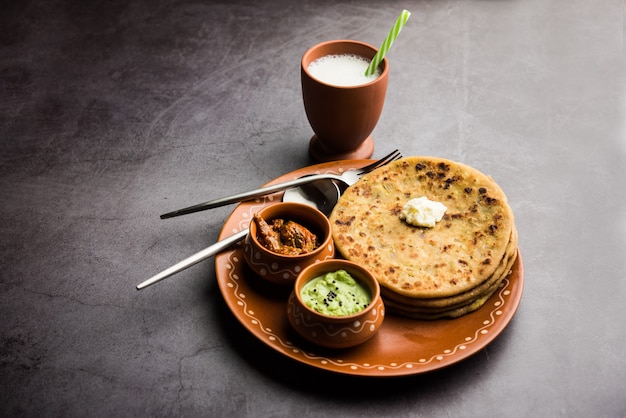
(384, 48)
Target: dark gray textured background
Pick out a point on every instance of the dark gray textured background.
(113, 112)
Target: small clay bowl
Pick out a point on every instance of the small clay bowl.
(336, 331)
(284, 269)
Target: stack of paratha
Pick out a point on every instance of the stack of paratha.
(428, 273)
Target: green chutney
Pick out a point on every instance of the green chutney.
(336, 294)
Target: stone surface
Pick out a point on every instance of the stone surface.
(112, 113)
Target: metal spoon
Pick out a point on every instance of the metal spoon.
(322, 194)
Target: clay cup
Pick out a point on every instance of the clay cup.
(342, 117)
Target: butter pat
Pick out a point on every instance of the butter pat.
(422, 212)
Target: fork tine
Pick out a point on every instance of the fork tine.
(386, 159)
(376, 163)
(395, 157)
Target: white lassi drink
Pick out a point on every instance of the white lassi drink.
(342, 70)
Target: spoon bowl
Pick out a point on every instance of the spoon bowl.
(320, 194)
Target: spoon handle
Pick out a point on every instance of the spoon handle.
(248, 195)
(196, 258)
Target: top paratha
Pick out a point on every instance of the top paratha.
(457, 254)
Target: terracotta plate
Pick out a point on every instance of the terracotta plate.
(401, 347)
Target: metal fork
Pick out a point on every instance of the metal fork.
(233, 239)
(349, 178)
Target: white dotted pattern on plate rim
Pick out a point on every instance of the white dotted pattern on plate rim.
(287, 345)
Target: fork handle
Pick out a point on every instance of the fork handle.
(196, 258)
(249, 195)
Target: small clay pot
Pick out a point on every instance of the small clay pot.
(336, 331)
(284, 269)
(342, 117)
